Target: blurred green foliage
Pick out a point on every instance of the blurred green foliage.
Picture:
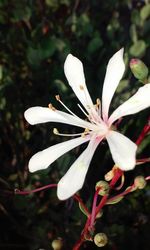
(35, 37)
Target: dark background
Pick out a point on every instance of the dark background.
(35, 38)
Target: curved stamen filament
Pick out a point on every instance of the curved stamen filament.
(98, 106)
(50, 106)
(56, 132)
(59, 100)
(83, 111)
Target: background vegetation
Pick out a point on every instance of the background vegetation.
(35, 38)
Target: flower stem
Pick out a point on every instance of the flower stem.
(27, 192)
(95, 210)
(94, 207)
(77, 197)
(145, 130)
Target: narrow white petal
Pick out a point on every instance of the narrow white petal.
(36, 115)
(139, 101)
(73, 69)
(43, 159)
(73, 180)
(123, 150)
(114, 73)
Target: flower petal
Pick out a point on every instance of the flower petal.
(123, 150)
(73, 180)
(114, 73)
(43, 159)
(139, 101)
(36, 115)
(73, 69)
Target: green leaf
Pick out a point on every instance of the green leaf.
(34, 57)
(52, 4)
(133, 33)
(135, 17)
(138, 48)
(145, 12)
(145, 143)
(1, 72)
(48, 48)
(94, 44)
(61, 85)
(21, 13)
(122, 86)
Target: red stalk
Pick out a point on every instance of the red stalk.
(27, 192)
(145, 130)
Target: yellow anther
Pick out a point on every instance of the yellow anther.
(50, 106)
(110, 174)
(57, 97)
(55, 131)
(81, 87)
(86, 131)
(98, 102)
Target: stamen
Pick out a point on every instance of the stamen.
(98, 106)
(98, 102)
(81, 87)
(83, 111)
(50, 106)
(56, 132)
(89, 108)
(86, 131)
(59, 100)
(88, 116)
(26, 192)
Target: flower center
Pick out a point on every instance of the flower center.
(101, 130)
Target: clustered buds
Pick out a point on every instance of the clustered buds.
(140, 182)
(139, 69)
(103, 187)
(100, 239)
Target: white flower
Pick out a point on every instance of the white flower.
(97, 127)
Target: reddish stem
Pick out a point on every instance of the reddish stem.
(145, 130)
(121, 194)
(27, 192)
(89, 225)
(118, 174)
(102, 203)
(94, 207)
(143, 160)
(126, 191)
(77, 197)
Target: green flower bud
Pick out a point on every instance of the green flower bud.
(57, 244)
(139, 69)
(140, 182)
(100, 239)
(103, 186)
